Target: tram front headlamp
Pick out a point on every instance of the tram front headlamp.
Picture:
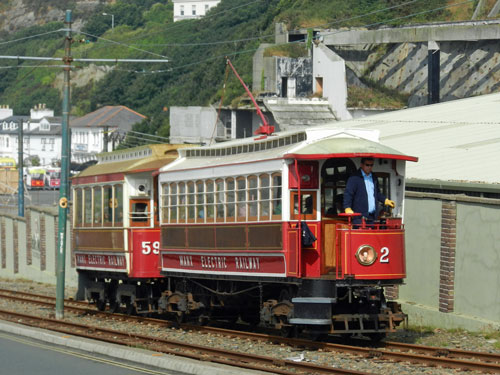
(366, 255)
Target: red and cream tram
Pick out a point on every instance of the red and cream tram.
(255, 229)
(115, 227)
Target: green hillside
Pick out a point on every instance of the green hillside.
(195, 72)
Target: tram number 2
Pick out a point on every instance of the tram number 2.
(148, 246)
(384, 258)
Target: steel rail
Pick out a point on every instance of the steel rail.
(451, 358)
(177, 348)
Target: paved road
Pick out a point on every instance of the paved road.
(21, 355)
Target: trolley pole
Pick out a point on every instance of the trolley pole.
(20, 187)
(63, 189)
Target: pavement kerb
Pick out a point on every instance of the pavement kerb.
(146, 357)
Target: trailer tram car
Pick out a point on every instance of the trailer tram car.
(255, 229)
(115, 228)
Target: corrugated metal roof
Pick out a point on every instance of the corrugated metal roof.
(299, 112)
(456, 141)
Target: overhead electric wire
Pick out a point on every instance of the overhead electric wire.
(273, 35)
(149, 135)
(334, 32)
(265, 36)
(173, 26)
(31, 36)
(404, 17)
(122, 44)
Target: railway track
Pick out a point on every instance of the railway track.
(177, 348)
(394, 351)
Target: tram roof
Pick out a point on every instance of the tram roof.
(132, 160)
(321, 142)
(346, 147)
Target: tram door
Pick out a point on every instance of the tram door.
(334, 175)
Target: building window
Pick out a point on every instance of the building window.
(51, 143)
(182, 10)
(43, 143)
(193, 10)
(44, 126)
(207, 7)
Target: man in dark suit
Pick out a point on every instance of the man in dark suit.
(362, 193)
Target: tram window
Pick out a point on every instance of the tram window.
(383, 183)
(264, 197)
(252, 198)
(210, 200)
(107, 195)
(172, 203)
(181, 202)
(276, 196)
(334, 175)
(78, 207)
(230, 214)
(87, 196)
(219, 198)
(190, 201)
(97, 206)
(307, 205)
(164, 202)
(200, 202)
(240, 198)
(118, 205)
(140, 212)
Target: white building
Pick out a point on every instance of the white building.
(100, 131)
(190, 9)
(41, 134)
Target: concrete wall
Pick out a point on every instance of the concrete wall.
(466, 68)
(453, 261)
(330, 67)
(423, 239)
(193, 124)
(28, 247)
(478, 259)
(297, 69)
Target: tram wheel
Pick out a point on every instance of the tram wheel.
(114, 306)
(100, 304)
(180, 317)
(130, 308)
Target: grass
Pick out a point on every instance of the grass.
(372, 97)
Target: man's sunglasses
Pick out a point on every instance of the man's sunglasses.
(369, 165)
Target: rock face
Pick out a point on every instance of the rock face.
(19, 14)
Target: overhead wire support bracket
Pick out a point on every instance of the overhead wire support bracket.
(83, 60)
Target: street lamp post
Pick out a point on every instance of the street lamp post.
(112, 19)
